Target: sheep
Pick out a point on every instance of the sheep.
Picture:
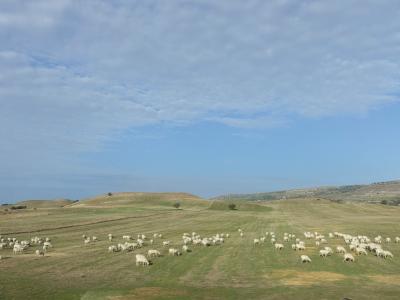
(141, 260)
(241, 234)
(305, 259)
(360, 251)
(113, 248)
(174, 252)
(126, 237)
(340, 249)
(256, 242)
(323, 253)
(317, 243)
(153, 253)
(151, 242)
(279, 246)
(86, 241)
(165, 243)
(348, 257)
(262, 239)
(39, 253)
(18, 249)
(94, 238)
(273, 241)
(397, 239)
(185, 248)
(387, 254)
(329, 249)
(388, 240)
(110, 237)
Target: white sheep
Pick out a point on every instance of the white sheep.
(397, 239)
(360, 251)
(256, 242)
(279, 246)
(174, 252)
(141, 260)
(165, 243)
(39, 253)
(305, 259)
(153, 253)
(387, 254)
(340, 249)
(323, 253)
(388, 240)
(348, 257)
(185, 248)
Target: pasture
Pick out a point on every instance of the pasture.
(236, 269)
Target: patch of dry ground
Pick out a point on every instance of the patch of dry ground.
(296, 278)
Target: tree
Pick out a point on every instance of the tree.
(177, 205)
(232, 206)
(109, 194)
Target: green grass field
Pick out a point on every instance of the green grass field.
(235, 270)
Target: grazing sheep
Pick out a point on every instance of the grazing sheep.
(340, 249)
(279, 246)
(317, 243)
(165, 243)
(360, 251)
(113, 248)
(153, 253)
(241, 234)
(388, 240)
(18, 249)
(110, 237)
(305, 259)
(323, 253)
(397, 239)
(387, 254)
(86, 241)
(273, 241)
(185, 248)
(94, 238)
(39, 253)
(174, 252)
(256, 242)
(141, 260)
(348, 257)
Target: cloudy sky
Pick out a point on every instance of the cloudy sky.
(202, 96)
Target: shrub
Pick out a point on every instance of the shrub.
(109, 194)
(232, 206)
(177, 205)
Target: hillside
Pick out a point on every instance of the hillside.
(127, 199)
(45, 203)
(376, 192)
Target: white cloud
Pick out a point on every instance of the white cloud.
(72, 75)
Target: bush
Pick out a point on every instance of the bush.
(18, 207)
(232, 206)
(109, 194)
(177, 205)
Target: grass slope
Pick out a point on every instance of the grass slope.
(375, 192)
(235, 270)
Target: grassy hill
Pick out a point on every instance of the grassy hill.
(144, 200)
(234, 270)
(375, 193)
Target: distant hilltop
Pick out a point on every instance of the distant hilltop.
(387, 192)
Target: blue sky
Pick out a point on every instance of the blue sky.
(208, 97)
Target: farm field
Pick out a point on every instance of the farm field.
(237, 269)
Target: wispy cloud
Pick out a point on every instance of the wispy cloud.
(73, 75)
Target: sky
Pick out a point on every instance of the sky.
(206, 97)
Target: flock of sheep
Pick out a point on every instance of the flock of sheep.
(356, 244)
(20, 247)
(359, 244)
(130, 244)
